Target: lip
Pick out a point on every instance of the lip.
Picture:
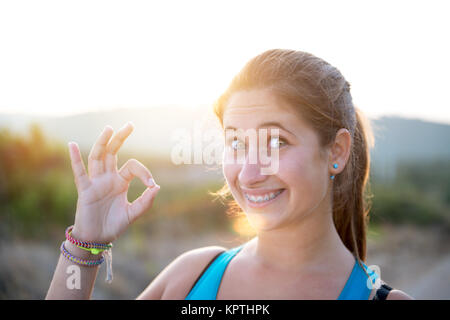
(259, 193)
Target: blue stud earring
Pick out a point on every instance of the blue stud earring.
(334, 166)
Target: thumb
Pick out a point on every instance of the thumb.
(142, 204)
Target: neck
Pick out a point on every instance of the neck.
(308, 244)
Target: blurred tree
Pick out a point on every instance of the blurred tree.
(36, 189)
(419, 194)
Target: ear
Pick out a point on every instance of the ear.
(340, 150)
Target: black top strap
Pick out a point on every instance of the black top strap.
(382, 292)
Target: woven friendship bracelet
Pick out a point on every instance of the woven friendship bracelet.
(83, 262)
(95, 248)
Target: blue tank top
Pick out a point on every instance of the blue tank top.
(207, 286)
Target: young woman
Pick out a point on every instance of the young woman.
(310, 213)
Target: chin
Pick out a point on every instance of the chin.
(263, 221)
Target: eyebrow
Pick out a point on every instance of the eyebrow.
(266, 124)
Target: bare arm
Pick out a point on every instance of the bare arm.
(103, 211)
(177, 278)
(70, 280)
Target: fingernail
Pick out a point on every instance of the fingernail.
(151, 182)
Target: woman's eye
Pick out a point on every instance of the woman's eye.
(276, 142)
(237, 144)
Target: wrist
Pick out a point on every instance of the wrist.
(82, 236)
(87, 253)
(95, 238)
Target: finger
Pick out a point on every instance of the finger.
(142, 204)
(96, 156)
(82, 181)
(115, 144)
(133, 168)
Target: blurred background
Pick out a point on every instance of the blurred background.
(67, 70)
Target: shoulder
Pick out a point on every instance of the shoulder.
(396, 294)
(176, 279)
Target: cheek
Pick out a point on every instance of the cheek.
(303, 174)
(231, 172)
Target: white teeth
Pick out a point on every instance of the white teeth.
(259, 199)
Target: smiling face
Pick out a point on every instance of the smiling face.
(301, 182)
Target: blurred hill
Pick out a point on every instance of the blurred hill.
(396, 139)
(154, 135)
(154, 127)
(399, 140)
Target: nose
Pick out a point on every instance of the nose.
(250, 173)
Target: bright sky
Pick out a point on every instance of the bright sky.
(63, 57)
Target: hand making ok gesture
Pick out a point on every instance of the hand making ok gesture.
(103, 211)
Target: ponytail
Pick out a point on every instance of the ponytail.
(351, 191)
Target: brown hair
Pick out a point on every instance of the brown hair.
(322, 96)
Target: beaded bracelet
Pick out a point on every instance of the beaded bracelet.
(94, 248)
(87, 263)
